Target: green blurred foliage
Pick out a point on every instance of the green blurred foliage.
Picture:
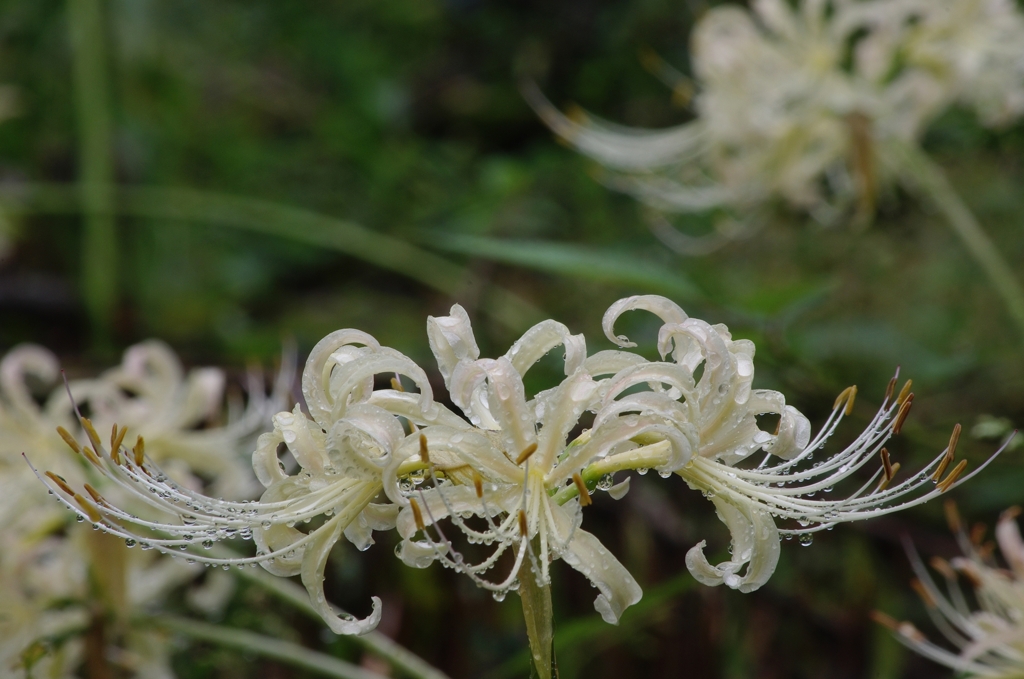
(405, 117)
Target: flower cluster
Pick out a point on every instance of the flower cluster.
(50, 572)
(990, 639)
(504, 483)
(811, 104)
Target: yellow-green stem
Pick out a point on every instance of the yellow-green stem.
(647, 457)
(96, 168)
(537, 613)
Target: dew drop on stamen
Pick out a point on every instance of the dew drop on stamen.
(806, 539)
(128, 542)
(207, 544)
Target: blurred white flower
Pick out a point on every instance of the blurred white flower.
(46, 565)
(512, 476)
(989, 640)
(804, 103)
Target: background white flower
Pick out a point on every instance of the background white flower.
(988, 637)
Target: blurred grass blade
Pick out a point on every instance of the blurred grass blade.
(285, 221)
(95, 158)
(268, 647)
(922, 175)
(574, 261)
(591, 634)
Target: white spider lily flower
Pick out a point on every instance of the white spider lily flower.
(749, 499)
(699, 428)
(989, 640)
(342, 450)
(974, 48)
(513, 475)
(514, 455)
(46, 562)
(178, 414)
(802, 103)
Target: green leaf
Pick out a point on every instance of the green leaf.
(578, 261)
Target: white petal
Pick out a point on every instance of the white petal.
(20, 362)
(452, 341)
(542, 338)
(313, 563)
(419, 553)
(265, 462)
(317, 372)
(755, 543)
(1010, 543)
(618, 590)
(662, 307)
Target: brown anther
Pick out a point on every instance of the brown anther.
(89, 508)
(986, 550)
(952, 516)
(478, 484)
(886, 464)
(417, 515)
(524, 526)
(923, 592)
(950, 453)
(585, 500)
(941, 469)
(953, 476)
(90, 431)
(908, 631)
(890, 389)
(69, 439)
(117, 437)
(885, 620)
(1010, 514)
(954, 438)
(942, 566)
(848, 396)
(396, 384)
(95, 495)
(977, 533)
(527, 452)
(61, 483)
(885, 482)
(902, 413)
(424, 452)
(115, 444)
(904, 392)
(139, 451)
